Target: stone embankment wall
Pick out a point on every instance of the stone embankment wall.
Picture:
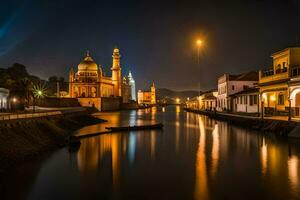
(277, 127)
(25, 139)
(57, 102)
(111, 103)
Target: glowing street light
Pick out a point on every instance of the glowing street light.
(39, 92)
(199, 44)
(177, 100)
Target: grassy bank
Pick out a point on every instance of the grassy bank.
(277, 127)
(23, 140)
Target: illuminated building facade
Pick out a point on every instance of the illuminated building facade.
(230, 84)
(147, 97)
(281, 83)
(89, 84)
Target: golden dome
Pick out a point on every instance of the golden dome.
(87, 64)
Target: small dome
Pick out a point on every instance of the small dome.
(116, 50)
(88, 64)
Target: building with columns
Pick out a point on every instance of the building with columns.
(4, 93)
(279, 85)
(90, 86)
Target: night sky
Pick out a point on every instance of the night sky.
(156, 38)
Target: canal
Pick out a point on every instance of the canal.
(193, 157)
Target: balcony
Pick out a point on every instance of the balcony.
(269, 75)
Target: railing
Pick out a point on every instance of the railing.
(295, 71)
(28, 115)
(278, 76)
(266, 73)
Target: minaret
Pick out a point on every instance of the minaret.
(71, 80)
(153, 94)
(132, 85)
(116, 72)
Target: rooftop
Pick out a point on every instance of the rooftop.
(249, 76)
(246, 91)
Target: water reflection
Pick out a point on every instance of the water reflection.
(293, 172)
(264, 157)
(215, 151)
(131, 147)
(194, 157)
(201, 185)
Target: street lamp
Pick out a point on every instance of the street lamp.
(199, 44)
(13, 105)
(39, 92)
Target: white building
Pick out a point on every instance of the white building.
(246, 101)
(209, 100)
(231, 84)
(4, 93)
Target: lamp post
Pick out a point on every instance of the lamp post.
(38, 94)
(199, 44)
(14, 101)
(290, 113)
(262, 106)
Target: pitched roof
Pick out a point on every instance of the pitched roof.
(209, 98)
(249, 76)
(246, 91)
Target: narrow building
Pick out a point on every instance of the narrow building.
(230, 84)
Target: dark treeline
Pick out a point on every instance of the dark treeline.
(22, 84)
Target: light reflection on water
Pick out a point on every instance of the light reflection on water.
(194, 157)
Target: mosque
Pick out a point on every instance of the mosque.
(93, 88)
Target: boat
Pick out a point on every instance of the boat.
(135, 128)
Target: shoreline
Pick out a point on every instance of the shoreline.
(23, 140)
(276, 127)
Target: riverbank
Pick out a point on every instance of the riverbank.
(277, 127)
(25, 139)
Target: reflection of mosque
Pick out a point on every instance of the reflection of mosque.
(96, 154)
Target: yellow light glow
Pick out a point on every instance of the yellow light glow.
(14, 100)
(273, 98)
(177, 100)
(199, 42)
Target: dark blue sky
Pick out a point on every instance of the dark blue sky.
(156, 38)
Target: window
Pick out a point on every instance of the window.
(245, 99)
(255, 99)
(232, 87)
(252, 100)
(280, 99)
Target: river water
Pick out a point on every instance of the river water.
(193, 157)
